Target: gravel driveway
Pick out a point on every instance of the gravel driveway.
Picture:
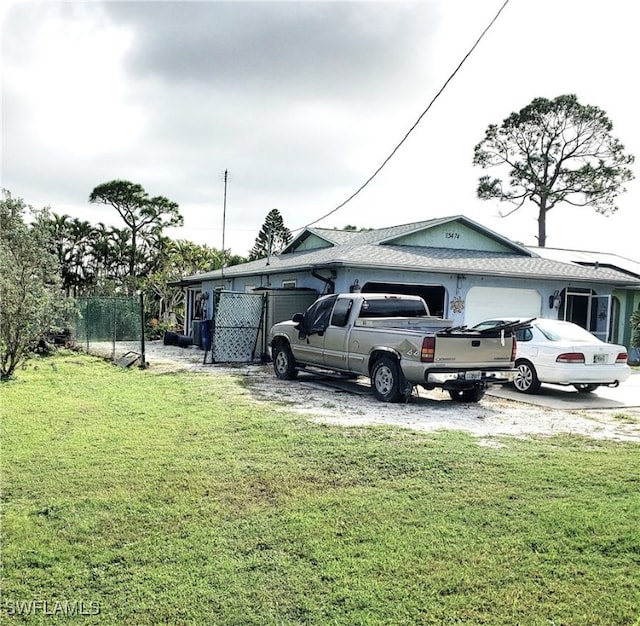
(351, 403)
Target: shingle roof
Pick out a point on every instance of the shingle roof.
(585, 257)
(376, 248)
(335, 236)
(434, 260)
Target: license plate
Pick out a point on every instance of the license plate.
(473, 375)
(599, 358)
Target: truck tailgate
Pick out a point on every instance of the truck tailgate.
(470, 349)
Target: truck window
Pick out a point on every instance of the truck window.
(316, 319)
(341, 311)
(392, 308)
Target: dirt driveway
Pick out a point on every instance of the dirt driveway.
(351, 403)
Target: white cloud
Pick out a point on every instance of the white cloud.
(71, 84)
(301, 102)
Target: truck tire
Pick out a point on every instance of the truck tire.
(467, 395)
(284, 365)
(387, 380)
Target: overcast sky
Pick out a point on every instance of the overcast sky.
(301, 102)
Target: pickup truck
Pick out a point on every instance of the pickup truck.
(394, 341)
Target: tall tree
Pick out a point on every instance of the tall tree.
(272, 238)
(71, 242)
(144, 216)
(554, 151)
(33, 302)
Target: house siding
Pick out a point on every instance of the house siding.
(454, 236)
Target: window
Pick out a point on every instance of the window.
(316, 319)
(392, 307)
(524, 334)
(289, 284)
(341, 312)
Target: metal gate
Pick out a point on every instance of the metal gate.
(237, 324)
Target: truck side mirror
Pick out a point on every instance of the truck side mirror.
(298, 320)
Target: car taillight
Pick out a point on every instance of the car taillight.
(570, 357)
(514, 348)
(622, 357)
(428, 350)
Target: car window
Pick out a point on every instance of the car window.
(524, 334)
(555, 331)
(488, 324)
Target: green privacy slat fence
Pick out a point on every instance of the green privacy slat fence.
(102, 321)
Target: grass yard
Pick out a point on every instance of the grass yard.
(135, 498)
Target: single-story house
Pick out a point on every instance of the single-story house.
(463, 270)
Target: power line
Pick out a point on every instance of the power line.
(466, 56)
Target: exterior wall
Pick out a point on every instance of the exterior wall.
(452, 235)
(311, 243)
(629, 302)
(456, 287)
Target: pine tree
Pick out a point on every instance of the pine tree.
(554, 152)
(273, 237)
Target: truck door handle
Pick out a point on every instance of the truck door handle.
(475, 343)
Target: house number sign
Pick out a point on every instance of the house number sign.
(450, 234)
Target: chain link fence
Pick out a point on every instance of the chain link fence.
(107, 326)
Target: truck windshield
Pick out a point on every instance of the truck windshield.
(392, 307)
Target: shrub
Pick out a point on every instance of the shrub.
(635, 329)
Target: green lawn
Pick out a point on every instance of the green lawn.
(136, 498)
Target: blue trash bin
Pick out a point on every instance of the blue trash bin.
(205, 335)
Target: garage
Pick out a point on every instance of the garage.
(487, 302)
(433, 295)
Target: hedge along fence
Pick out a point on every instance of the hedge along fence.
(104, 322)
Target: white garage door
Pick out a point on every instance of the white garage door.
(490, 302)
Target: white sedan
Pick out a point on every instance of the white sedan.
(563, 353)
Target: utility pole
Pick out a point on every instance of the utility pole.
(269, 245)
(224, 218)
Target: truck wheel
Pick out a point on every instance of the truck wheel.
(387, 380)
(466, 395)
(284, 364)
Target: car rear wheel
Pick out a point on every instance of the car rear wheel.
(526, 380)
(387, 380)
(284, 364)
(467, 395)
(586, 387)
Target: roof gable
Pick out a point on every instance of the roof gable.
(457, 233)
(318, 238)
